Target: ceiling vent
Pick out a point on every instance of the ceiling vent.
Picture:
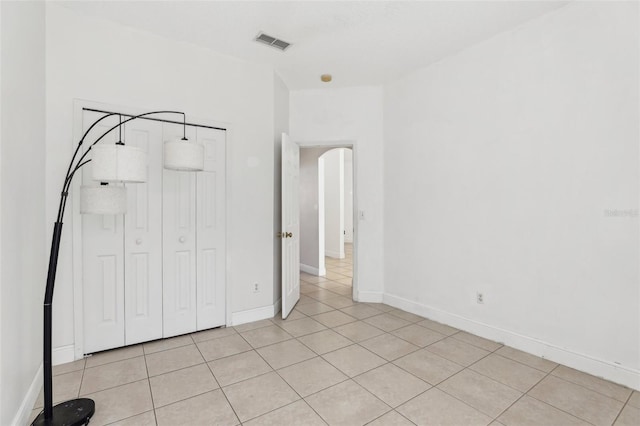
(272, 41)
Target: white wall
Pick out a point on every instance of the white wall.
(334, 203)
(22, 193)
(348, 196)
(501, 163)
(97, 60)
(280, 125)
(352, 115)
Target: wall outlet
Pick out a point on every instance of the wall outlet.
(480, 298)
(256, 288)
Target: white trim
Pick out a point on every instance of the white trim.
(63, 354)
(369, 296)
(23, 413)
(313, 271)
(256, 314)
(277, 307)
(334, 254)
(597, 367)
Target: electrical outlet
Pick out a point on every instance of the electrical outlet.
(480, 298)
(256, 288)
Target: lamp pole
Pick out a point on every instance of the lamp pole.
(76, 411)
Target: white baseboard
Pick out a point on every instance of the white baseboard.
(63, 354)
(334, 254)
(257, 314)
(370, 296)
(597, 367)
(22, 416)
(313, 271)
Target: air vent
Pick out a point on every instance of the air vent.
(272, 41)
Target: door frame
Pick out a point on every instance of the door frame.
(353, 145)
(76, 219)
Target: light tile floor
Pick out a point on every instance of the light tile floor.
(337, 362)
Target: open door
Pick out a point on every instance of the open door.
(290, 234)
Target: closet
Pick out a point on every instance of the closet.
(159, 270)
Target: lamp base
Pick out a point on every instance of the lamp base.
(76, 412)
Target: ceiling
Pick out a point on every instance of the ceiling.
(358, 42)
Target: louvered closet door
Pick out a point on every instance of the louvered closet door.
(143, 239)
(102, 264)
(210, 224)
(179, 244)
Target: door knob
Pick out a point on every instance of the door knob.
(182, 239)
(288, 235)
(139, 241)
(279, 235)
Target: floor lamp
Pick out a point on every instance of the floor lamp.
(111, 164)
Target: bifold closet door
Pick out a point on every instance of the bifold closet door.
(102, 264)
(143, 239)
(179, 244)
(210, 225)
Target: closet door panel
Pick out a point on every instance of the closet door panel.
(179, 245)
(143, 239)
(210, 243)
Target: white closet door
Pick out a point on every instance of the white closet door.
(143, 239)
(103, 264)
(179, 244)
(210, 241)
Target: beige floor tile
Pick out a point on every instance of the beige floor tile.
(358, 331)
(173, 359)
(253, 325)
(457, 351)
(630, 416)
(311, 376)
(387, 322)
(392, 418)
(266, 336)
(214, 333)
(238, 367)
(353, 360)
(69, 367)
(302, 326)
(344, 291)
(480, 392)
(391, 384)
(334, 276)
(325, 341)
(436, 326)
(305, 300)
(389, 347)
(145, 419)
(419, 336)
(360, 311)
(527, 359)
(435, 407)
(210, 408)
(311, 279)
(577, 400)
(486, 344)
(405, 315)
(113, 355)
(286, 353)
(604, 387)
(339, 302)
(314, 308)
(322, 295)
(530, 412)
(113, 374)
(293, 315)
(347, 404)
(225, 346)
(346, 281)
(381, 307)
(428, 366)
(181, 384)
(334, 318)
(298, 413)
(307, 288)
(65, 387)
(634, 401)
(122, 402)
(508, 372)
(164, 344)
(330, 285)
(34, 413)
(255, 397)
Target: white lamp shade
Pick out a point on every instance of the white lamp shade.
(183, 155)
(103, 199)
(119, 163)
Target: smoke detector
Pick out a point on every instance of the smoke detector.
(272, 41)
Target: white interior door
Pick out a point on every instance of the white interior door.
(179, 244)
(210, 225)
(143, 239)
(290, 225)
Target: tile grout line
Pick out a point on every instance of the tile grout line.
(623, 407)
(153, 404)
